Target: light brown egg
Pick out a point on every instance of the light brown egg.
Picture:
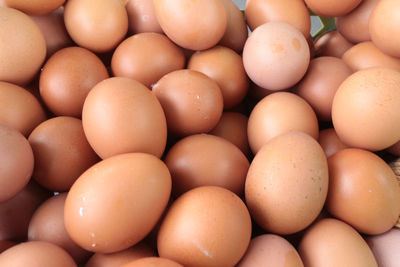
(366, 55)
(23, 53)
(270, 250)
(293, 12)
(117, 202)
(363, 191)
(192, 101)
(224, 66)
(386, 248)
(276, 56)
(67, 77)
(206, 226)
(98, 25)
(121, 115)
(329, 8)
(354, 25)
(334, 242)
(195, 25)
(330, 142)
(287, 183)
(153, 262)
(318, 88)
(19, 109)
(16, 162)
(331, 44)
(4, 245)
(146, 57)
(142, 16)
(383, 27)
(118, 259)
(36, 254)
(277, 114)
(37, 7)
(47, 224)
(366, 109)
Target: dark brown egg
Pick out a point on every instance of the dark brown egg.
(330, 142)
(4, 245)
(142, 17)
(331, 44)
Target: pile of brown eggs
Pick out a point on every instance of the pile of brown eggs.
(161, 133)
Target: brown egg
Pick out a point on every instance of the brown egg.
(386, 248)
(4, 245)
(331, 44)
(16, 162)
(236, 31)
(199, 24)
(98, 25)
(293, 12)
(37, 7)
(146, 57)
(276, 56)
(36, 254)
(142, 16)
(121, 115)
(394, 149)
(270, 250)
(117, 202)
(363, 191)
(366, 109)
(277, 114)
(53, 29)
(366, 55)
(383, 27)
(203, 159)
(287, 183)
(19, 109)
(16, 213)
(354, 25)
(224, 66)
(192, 101)
(329, 8)
(206, 226)
(24, 51)
(118, 259)
(47, 224)
(153, 262)
(334, 242)
(318, 88)
(330, 142)
(233, 127)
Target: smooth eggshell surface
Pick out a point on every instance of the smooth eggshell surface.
(331, 44)
(330, 142)
(142, 16)
(329, 8)
(386, 248)
(153, 262)
(37, 7)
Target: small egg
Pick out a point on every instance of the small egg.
(153, 262)
(276, 56)
(37, 7)
(206, 226)
(331, 44)
(330, 142)
(334, 242)
(277, 114)
(146, 57)
(142, 16)
(386, 248)
(328, 8)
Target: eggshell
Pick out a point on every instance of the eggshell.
(329, 8)
(366, 109)
(22, 49)
(331, 44)
(330, 142)
(270, 250)
(36, 254)
(142, 16)
(276, 56)
(293, 12)
(16, 162)
(383, 27)
(47, 224)
(194, 25)
(386, 248)
(287, 183)
(67, 77)
(363, 191)
(206, 226)
(366, 55)
(37, 7)
(277, 114)
(121, 115)
(394, 149)
(153, 262)
(331, 242)
(318, 89)
(146, 57)
(118, 259)
(354, 25)
(117, 202)
(98, 25)
(19, 109)
(192, 101)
